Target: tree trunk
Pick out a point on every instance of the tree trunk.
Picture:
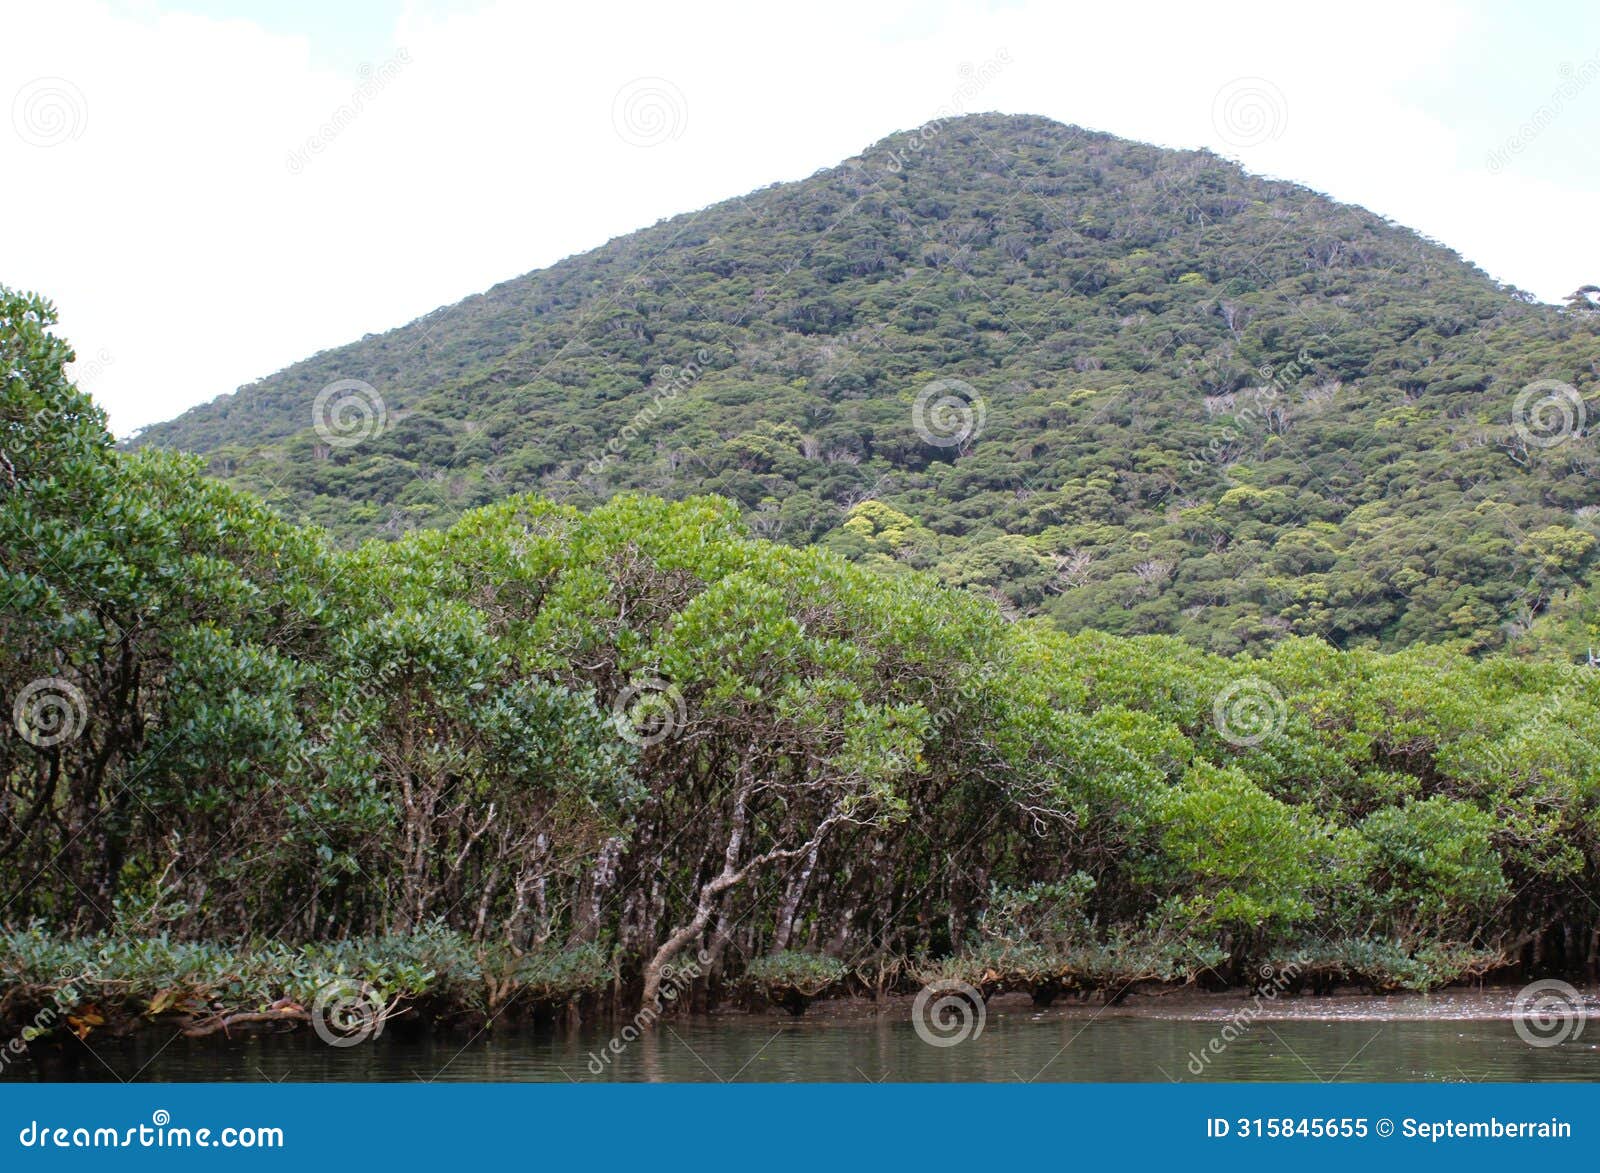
(791, 902)
(730, 876)
(706, 905)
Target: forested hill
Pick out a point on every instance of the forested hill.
(1129, 388)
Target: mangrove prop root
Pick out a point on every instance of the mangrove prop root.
(223, 1023)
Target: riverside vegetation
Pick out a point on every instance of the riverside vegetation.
(534, 759)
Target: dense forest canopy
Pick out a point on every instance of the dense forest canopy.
(558, 749)
(1130, 389)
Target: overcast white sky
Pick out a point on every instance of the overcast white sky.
(157, 182)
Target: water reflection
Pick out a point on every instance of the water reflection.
(1322, 1039)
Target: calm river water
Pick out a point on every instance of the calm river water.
(1442, 1037)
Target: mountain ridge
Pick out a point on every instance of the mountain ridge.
(1171, 365)
(886, 146)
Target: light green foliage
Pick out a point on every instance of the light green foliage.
(806, 973)
(426, 760)
(1248, 858)
(1433, 867)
